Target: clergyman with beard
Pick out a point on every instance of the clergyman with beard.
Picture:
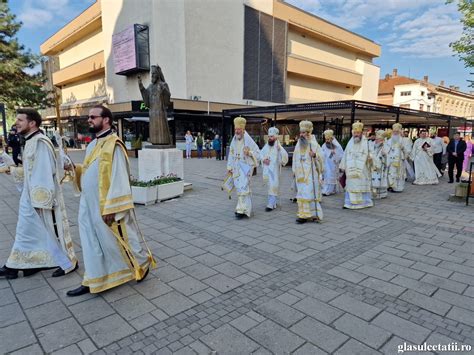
(356, 163)
(274, 156)
(244, 156)
(396, 157)
(308, 166)
(332, 155)
(42, 238)
(110, 237)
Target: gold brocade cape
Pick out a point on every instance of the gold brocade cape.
(104, 151)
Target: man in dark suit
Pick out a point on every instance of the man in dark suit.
(455, 151)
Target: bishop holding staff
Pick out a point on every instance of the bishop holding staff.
(356, 163)
(308, 169)
(273, 156)
(244, 156)
(396, 157)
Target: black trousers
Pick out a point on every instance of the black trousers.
(437, 161)
(455, 161)
(15, 153)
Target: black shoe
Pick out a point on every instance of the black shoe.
(144, 276)
(31, 272)
(8, 273)
(450, 181)
(60, 272)
(239, 215)
(301, 220)
(81, 290)
(294, 200)
(268, 209)
(390, 189)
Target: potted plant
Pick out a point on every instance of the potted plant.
(169, 186)
(144, 192)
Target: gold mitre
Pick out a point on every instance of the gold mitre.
(306, 126)
(380, 134)
(388, 133)
(357, 127)
(397, 127)
(329, 133)
(239, 122)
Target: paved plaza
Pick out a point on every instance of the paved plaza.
(362, 282)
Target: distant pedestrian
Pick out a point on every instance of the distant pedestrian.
(14, 143)
(437, 150)
(208, 147)
(199, 144)
(456, 149)
(216, 145)
(189, 142)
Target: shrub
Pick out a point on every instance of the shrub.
(164, 179)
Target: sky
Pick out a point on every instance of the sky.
(414, 34)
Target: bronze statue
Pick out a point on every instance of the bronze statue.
(157, 98)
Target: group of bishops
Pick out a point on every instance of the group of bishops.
(365, 169)
(110, 238)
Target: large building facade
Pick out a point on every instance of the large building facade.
(422, 95)
(214, 55)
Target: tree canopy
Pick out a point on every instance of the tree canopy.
(464, 46)
(19, 85)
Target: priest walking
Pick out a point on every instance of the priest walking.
(332, 155)
(273, 156)
(396, 156)
(308, 169)
(378, 154)
(108, 228)
(42, 239)
(356, 164)
(244, 157)
(426, 172)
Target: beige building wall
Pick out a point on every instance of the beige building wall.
(215, 50)
(302, 45)
(88, 46)
(167, 43)
(456, 105)
(303, 89)
(370, 81)
(84, 90)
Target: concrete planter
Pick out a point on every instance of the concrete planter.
(171, 190)
(144, 195)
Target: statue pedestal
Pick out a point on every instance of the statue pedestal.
(156, 161)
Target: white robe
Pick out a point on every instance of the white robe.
(332, 159)
(242, 168)
(106, 262)
(42, 236)
(278, 157)
(408, 146)
(308, 172)
(379, 170)
(426, 172)
(356, 164)
(396, 156)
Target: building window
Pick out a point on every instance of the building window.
(405, 93)
(422, 93)
(421, 107)
(405, 105)
(428, 108)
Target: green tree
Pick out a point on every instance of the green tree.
(464, 46)
(18, 86)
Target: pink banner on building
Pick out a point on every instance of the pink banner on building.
(123, 49)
